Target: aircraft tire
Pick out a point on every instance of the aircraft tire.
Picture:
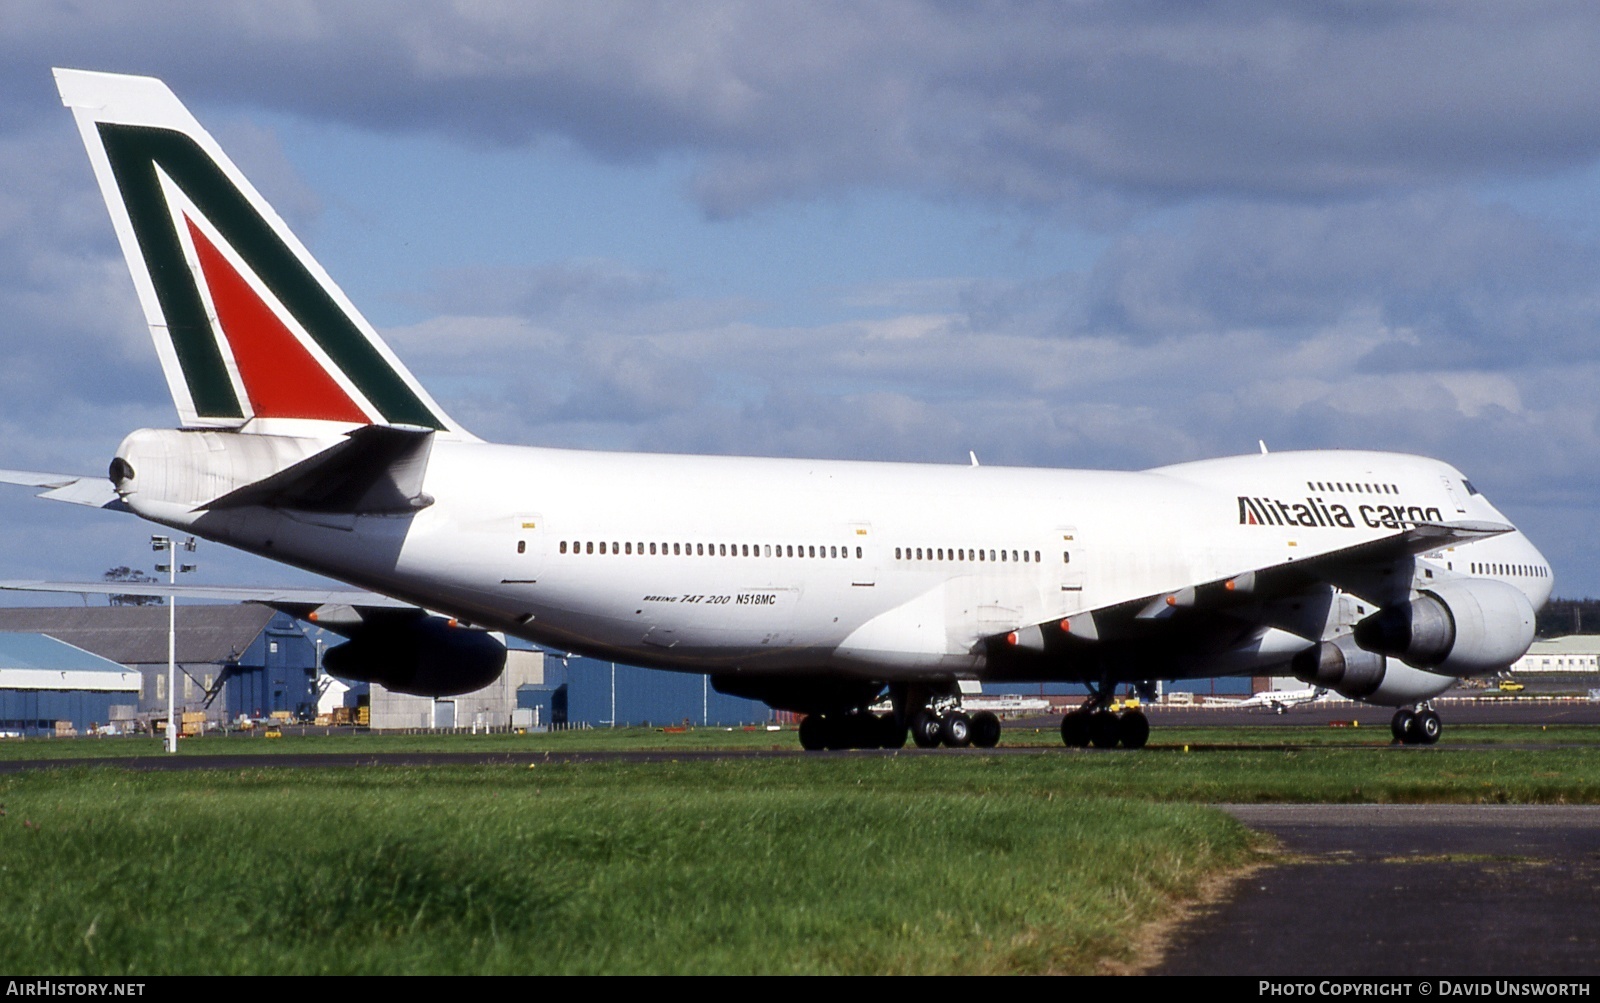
(1075, 729)
(1403, 725)
(1104, 730)
(956, 730)
(1427, 728)
(1134, 729)
(890, 734)
(925, 730)
(814, 733)
(985, 729)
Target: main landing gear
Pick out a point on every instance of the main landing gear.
(954, 728)
(856, 730)
(1096, 724)
(940, 722)
(1418, 725)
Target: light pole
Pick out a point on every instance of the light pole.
(172, 567)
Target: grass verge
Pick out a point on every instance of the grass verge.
(842, 865)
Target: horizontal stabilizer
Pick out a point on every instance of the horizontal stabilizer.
(95, 492)
(376, 470)
(275, 597)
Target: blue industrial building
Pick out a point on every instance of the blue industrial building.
(50, 687)
(232, 659)
(586, 691)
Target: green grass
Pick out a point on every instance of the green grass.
(1051, 860)
(860, 866)
(604, 739)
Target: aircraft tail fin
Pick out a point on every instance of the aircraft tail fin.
(248, 327)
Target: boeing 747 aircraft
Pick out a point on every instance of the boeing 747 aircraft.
(813, 585)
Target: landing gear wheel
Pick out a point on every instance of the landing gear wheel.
(890, 734)
(841, 731)
(1075, 729)
(925, 730)
(860, 731)
(956, 730)
(1134, 728)
(1104, 730)
(1403, 726)
(814, 733)
(985, 729)
(1427, 728)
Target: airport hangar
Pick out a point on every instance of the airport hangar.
(248, 660)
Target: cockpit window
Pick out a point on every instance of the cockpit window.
(1470, 489)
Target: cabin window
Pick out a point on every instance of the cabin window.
(588, 548)
(858, 552)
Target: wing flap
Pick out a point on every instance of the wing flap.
(1366, 569)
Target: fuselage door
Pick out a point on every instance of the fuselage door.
(1457, 495)
(525, 550)
(863, 569)
(1072, 567)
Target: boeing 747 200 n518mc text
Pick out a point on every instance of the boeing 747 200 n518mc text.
(813, 585)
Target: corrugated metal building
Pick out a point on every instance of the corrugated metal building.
(487, 709)
(1575, 653)
(598, 693)
(50, 687)
(254, 659)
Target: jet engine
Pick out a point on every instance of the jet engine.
(1350, 671)
(424, 656)
(1457, 628)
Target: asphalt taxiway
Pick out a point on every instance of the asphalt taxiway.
(1384, 890)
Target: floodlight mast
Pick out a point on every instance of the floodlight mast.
(172, 567)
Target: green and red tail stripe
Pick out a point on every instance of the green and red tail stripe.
(248, 326)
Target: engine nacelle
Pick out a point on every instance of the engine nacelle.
(1341, 666)
(1457, 628)
(425, 657)
(1351, 671)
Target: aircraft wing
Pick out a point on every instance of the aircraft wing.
(1373, 570)
(95, 492)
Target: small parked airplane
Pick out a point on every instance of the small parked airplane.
(1281, 701)
(813, 585)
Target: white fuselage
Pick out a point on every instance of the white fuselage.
(881, 570)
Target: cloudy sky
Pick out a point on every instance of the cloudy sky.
(1063, 234)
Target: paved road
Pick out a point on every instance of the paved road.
(1450, 890)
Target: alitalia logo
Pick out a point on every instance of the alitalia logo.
(257, 291)
(1317, 512)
